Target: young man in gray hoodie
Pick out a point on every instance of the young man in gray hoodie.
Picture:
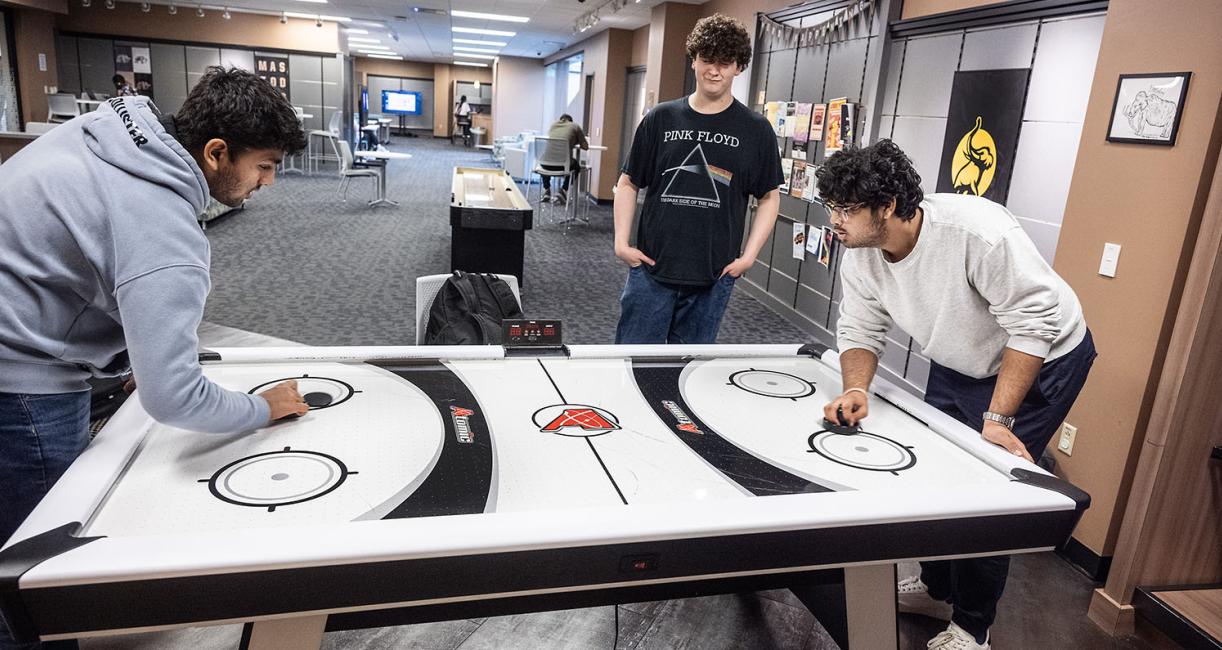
(103, 267)
(1008, 347)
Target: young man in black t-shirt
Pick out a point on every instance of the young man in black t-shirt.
(700, 158)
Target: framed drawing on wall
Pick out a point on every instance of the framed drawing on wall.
(1147, 108)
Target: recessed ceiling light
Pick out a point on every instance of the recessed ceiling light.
(385, 56)
(321, 2)
(474, 56)
(473, 65)
(484, 16)
(363, 39)
(475, 42)
(380, 51)
(334, 19)
(353, 30)
(474, 49)
(364, 46)
(486, 32)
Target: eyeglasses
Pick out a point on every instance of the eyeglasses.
(843, 211)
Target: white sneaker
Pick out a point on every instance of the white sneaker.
(914, 598)
(956, 638)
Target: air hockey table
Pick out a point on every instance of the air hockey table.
(433, 483)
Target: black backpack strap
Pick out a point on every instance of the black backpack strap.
(505, 300)
(491, 331)
(491, 326)
(462, 284)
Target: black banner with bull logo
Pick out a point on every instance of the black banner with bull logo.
(986, 111)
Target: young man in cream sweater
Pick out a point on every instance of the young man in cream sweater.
(1008, 346)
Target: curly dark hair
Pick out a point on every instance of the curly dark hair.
(721, 39)
(872, 175)
(240, 108)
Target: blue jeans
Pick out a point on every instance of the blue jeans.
(974, 585)
(654, 312)
(40, 436)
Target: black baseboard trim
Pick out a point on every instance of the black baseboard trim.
(1083, 559)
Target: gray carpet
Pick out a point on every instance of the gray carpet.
(300, 263)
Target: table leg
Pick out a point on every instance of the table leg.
(856, 605)
(382, 200)
(869, 594)
(574, 196)
(289, 164)
(300, 633)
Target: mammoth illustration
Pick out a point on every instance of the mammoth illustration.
(1148, 109)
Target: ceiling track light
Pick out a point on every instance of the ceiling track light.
(226, 15)
(284, 18)
(173, 10)
(199, 10)
(318, 21)
(110, 4)
(594, 16)
(145, 7)
(86, 3)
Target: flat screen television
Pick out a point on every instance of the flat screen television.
(402, 102)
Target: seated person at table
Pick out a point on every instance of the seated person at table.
(1008, 347)
(573, 136)
(104, 267)
(702, 158)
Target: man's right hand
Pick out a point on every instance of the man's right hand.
(853, 405)
(284, 400)
(632, 256)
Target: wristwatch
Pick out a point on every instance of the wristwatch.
(1006, 421)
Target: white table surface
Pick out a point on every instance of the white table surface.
(382, 155)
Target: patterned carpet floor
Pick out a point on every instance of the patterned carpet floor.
(301, 263)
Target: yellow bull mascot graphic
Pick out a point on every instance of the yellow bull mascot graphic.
(975, 162)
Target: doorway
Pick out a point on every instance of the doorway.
(634, 109)
(587, 102)
(10, 112)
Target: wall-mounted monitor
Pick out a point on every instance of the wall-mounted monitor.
(402, 102)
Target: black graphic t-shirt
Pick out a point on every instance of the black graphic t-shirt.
(698, 171)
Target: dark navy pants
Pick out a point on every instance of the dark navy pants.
(40, 436)
(974, 585)
(654, 312)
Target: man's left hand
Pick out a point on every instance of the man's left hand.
(738, 267)
(997, 434)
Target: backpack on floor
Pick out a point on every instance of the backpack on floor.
(468, 310)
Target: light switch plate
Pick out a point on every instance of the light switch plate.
(1111, 256)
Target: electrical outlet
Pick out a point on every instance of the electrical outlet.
(1068, 433)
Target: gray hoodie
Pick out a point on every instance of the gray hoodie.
(103, 265)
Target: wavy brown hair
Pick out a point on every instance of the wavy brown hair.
(872, 175)
(721, 39)
(240, 108)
